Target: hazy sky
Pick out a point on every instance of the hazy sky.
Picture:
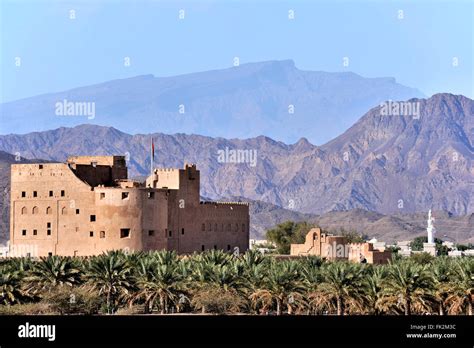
(43, 50)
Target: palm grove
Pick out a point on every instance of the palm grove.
(218, 282)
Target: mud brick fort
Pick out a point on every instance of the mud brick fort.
(88, 205)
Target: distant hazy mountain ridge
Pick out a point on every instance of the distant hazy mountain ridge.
(272, 98)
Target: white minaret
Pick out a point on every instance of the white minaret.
(430, 229)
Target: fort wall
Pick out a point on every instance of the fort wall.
(86, 206)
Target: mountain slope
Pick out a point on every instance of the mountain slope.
(244, 101)
(388, 164)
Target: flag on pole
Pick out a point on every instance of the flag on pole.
(152, 150)
(152, 157)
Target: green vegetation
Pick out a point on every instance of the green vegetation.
(417, 245)
(162, 282)
(463, 247)
(287, 233)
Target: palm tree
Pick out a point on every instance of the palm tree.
(440, 270)
(252, 258)
(312, 278)
(160, 279)
(110, 274)
(282, 286)
(462, 286)
(215, 257)
(372, 293)
(342, 283)
(52, 271)
(411, 283)
(10, 285)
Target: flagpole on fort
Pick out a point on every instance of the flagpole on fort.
(152, 155)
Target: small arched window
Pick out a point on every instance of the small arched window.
(64, 211)
(24, 211)
(35, 210)
(49, 211)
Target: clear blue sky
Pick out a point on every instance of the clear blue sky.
(59, 53)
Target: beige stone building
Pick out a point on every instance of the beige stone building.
(87, 206)
(331, 247)
(365, 252)
(321, 244)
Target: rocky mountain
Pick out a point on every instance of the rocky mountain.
(385, 163)
(272, 98)
(399, 227)
(387, 228)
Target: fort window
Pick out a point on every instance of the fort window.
(48, 225)
(48, 232)
(50, 193)
(182, 231)
(102, 234)
(151, 233)
(202, 247)
(91, 234)
(170, 233)
(40, 166)
(23, 232)
(77, 211)
(35, 193)
(203, 227)
(35, 232)
(23, 211)
(228, 247)
(28, 254)
(92, 218)
(215, 247)
(63, 193)
(49, 211)
(124, 195)
(64, 211)
(35, 210)
(151, 195)
(50, 254)
(124, 233)
(102, 195)
(23, 194)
